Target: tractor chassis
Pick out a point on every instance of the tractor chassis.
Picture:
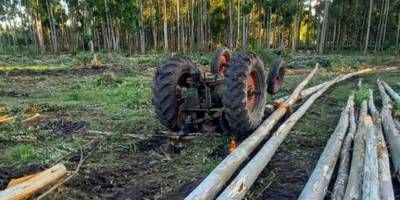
(201, 102)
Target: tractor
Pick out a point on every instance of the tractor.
(230, 96)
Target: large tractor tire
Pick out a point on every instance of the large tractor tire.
(244, 93)
(276, 75)
(170, 77)
(221, 59)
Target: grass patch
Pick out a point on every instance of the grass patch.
(361, 95)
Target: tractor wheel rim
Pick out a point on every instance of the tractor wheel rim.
(223, 60)
(252, 88)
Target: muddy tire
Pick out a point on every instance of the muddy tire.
(244, 92)
(221, 58)
(170, 76)
(276, 75)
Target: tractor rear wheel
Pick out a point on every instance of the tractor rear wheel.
(276, 75)
(170, 78)
(221, 59)
(244, 92)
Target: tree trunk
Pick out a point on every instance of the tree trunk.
(244, 31)
(53, 31)
(385, 179)
(238, 24)
(319, 180)
(371, 2)
(385, 24)
(178, 25)
(192, 35)
(182, 29)
(324, 28)
(344, 164)
(353, 188)
(392, 93)
(29, 187)
(370, 186)
(39, 32)
(141, 29)
(391, 132)
(165, 26)
(380, 26)
(295, 29)
(154, 26)
(230, 24)
(213, 183)
(398, 33)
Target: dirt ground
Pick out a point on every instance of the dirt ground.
(102, 111)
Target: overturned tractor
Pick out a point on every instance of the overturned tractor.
(231, 96)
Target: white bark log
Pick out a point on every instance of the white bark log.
(370, 187)
(213, 183)
(318, 182)
(305, 93)
(385, 179)
(248, 175)
(27, 188)
(344, 164)
(391, 92)
(391, 132)
(353, 188)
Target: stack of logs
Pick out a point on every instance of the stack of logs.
(367, 175)
(215, 182)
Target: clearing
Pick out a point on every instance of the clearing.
(105, 110)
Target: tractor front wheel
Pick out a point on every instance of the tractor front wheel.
(244, 92)
(275, 76)
(221, 59)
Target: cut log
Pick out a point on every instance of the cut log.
(303, 94)
(32, 118)
(353, 188)
(344, 163)
(248, 175)
(26, 189)
(309, 91)
(213, 183)
(391, 92)
(392, 134)
(370, 187)
(6, 119)
(318, 182)
(385, 179)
